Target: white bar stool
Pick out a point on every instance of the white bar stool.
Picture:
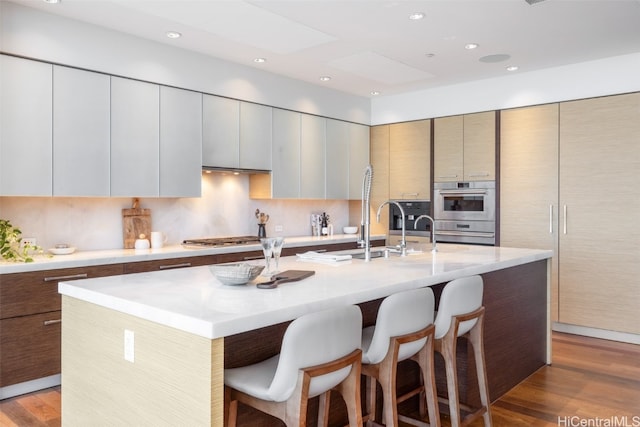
(320, 351)
(461, 314)
(404, 330)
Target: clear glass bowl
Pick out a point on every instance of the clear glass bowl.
(236, 274)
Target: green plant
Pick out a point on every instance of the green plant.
(10, 247)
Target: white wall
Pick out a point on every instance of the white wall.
(608, 76)
(39, 35)
(223, 210)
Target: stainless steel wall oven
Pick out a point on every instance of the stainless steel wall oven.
(465, 212)
(412, 210)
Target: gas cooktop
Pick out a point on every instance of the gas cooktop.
(222, 241)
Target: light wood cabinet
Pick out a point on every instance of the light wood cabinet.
(410, 160)
(529, 183)
(81, 133)
(135, 138)
(25, 127)
(380, 182)
(599, 244)
(464, 147)
(180, 143)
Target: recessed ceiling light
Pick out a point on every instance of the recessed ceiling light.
(375, 93)
(173, 34)
(512, 68)
(52, 1)
(325, 78)
(471, 46)
(260, 60)
(416, 16)
(429, 55)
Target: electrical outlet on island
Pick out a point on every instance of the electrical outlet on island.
(278, 229)
(31, 241)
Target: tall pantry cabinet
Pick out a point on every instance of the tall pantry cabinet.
(600, 201)
(569, 182)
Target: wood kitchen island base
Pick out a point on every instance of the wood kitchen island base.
(188, 328)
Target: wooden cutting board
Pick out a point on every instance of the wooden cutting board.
(135, 221)
(284, 277)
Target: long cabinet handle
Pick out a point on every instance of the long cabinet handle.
(550, 219)
(168, 267)
(478, 174)
(564, 214)
(51, 322)
(410, 195)
(69, 277)
(447, 176)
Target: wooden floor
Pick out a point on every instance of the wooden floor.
(591, 381)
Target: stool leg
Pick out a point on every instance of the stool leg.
(426, 363)
(388, 373)
(448, 349)
(370, 398)
(475, 337)
(323, 410)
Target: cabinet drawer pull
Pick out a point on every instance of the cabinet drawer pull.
(51, 322)
(251, 258)
(478, 174)
(168, 267)
(404, 195)
(69, 277)
(447, 176)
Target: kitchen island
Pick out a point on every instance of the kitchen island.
(150, 348)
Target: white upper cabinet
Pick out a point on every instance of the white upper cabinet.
(358, 158)
(312, 157)
(220, 132)
(135, 138)
(255, 136)
(337, 163)
(80, 133)
(285, 177)
(25, 127)
(180, 142)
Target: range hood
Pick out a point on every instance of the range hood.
(235, 171)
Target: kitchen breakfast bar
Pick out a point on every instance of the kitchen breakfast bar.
(150, 348)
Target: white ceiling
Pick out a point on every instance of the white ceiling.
(371, 45)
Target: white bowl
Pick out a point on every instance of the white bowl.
(350, 230)
(236, 274)
(63, 251)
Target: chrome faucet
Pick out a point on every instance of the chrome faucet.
(433, 230)
(365, 221)
(403, 242)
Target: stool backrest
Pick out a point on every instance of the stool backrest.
(459, 296)
(400, 314)
(314, 339)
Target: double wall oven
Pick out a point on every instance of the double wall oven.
(465, 212)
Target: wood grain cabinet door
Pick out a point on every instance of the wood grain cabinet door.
(409, 160)
(599, 237)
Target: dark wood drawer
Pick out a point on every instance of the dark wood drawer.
(35, 292)
(168, 264)
(30, 347)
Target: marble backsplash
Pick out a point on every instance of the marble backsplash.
(223, 210)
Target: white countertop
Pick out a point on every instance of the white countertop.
(115, 256)
(193, 300)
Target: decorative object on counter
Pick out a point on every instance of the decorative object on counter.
(158, 239)
(62, 249)
(324, 224)
(316, 227)
(142, 242)
(350, 229)
(10, 244)
(135, 221)
(267, 250)
(263, 218)
(278, 242)
(236, 274)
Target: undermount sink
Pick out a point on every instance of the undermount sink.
(374, 254)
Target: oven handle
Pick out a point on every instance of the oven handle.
(465, 192)
(465, 233)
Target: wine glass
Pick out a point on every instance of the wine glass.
(267, 250)
(277, 249)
